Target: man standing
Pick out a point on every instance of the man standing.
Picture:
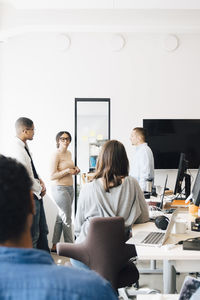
(25, 132)
(142, 164)
(29, 274)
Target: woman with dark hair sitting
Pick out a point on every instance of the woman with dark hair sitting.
(111, 193)
(62, 169)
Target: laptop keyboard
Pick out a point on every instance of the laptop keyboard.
(153, 238)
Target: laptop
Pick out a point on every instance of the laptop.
(163, 194)
(158, 211)
(155, 238)
(156, 202)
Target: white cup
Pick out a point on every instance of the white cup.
(180, 226)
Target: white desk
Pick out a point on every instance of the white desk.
(174, 259)
(158, 297)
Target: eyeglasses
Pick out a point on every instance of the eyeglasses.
(65, 139)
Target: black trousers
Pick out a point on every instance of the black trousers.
(39, 229)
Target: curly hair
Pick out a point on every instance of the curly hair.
(15, 201)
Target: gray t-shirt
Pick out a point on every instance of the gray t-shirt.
(126, 200)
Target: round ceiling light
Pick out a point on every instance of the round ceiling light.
(63, 42)
(171, 42)
(117, 42)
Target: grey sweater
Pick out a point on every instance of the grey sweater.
(126, 200)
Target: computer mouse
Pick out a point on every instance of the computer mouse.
(161, 222)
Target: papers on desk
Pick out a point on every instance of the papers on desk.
(169, 198)
(154, 201)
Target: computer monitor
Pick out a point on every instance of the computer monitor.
(181, 175)
(196, 190)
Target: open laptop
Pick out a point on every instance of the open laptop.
(163, 194)
(154, 213)
(154, 238)
(158, 202)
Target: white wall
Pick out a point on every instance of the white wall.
(143, 80)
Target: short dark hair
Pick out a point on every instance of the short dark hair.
(112, 164)
(24, 122)
(141, 131)
(15, 200)
(59, 134)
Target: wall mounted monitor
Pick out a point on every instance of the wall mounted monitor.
(169, 137)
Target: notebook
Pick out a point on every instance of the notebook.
(154, 238)
(179, 203)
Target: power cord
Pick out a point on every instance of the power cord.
(188, 240)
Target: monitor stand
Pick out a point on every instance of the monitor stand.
(180, 197)
(187, 188)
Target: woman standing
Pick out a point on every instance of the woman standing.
(62, 169)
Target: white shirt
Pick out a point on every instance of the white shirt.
(20, 154)
(142, 165)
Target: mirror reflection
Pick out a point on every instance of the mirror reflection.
(92, 129)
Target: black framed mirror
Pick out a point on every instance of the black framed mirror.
(92, 129)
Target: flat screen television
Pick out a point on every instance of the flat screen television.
(169, 137)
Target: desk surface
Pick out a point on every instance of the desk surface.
(174, 259)
(168, 251)
(158, 297)
(168, 202)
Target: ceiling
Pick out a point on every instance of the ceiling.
(113, 16)
(103, 4)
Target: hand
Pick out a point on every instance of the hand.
(77, 170)
(43, 191)
(71, 171)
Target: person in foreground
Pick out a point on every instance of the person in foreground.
(142, 164)
(62, 169)
(111, 193)
(26, 273)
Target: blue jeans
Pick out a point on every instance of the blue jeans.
(39, 229)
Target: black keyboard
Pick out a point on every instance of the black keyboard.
(153, 238)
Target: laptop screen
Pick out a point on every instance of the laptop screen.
(163, 194)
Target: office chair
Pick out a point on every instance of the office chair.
(105, 251)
